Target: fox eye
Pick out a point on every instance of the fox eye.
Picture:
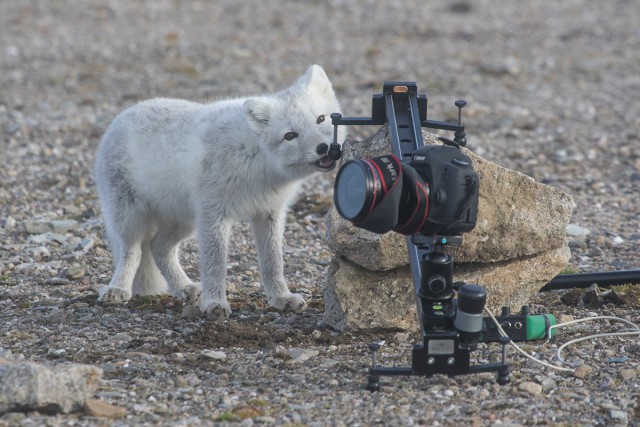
(290, 135)
(320, 119)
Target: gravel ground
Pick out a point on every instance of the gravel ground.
(550, 87)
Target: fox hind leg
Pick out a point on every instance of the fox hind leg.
(164, 247)
(127, 257)
(148, 280)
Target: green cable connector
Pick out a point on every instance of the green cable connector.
(537, 326)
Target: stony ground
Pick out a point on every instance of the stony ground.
(551, 88)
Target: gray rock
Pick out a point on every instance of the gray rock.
(48, 237)
(32, 387)
(85, 245)
(299, 355)
(577, 235)
(213, 354)
(531, 388)
(9, 223)
(359, 299)
(63, 225)
(38, 226)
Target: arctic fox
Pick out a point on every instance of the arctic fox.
(166, 168)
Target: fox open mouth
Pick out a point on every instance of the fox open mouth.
(325, 163)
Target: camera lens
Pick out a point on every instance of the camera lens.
(365, 192)
(353, 187)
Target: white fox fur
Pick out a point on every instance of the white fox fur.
(167, 168)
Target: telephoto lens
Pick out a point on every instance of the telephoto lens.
(468, 321)
(367, 192)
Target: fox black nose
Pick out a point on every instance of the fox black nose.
(322, 148)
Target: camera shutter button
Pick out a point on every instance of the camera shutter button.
(460, 162)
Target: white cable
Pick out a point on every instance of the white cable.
(521, 351)
(634, 330)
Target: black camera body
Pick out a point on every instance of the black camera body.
(454, 189)
(435, 192)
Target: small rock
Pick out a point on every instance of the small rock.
(281, 352)
(582, 371)
(617, 241)
(213, 355)
(85, 245)
(39, 252)
(58, 281)
(577, 235)
(6, 355)
(548, 384)
(627, 374)
(48, 237)
(564, 318)
(530, 387)
(100, 408)
(63, 225)
(617, 359)
(299, 355)
(76, 272)
(9, 223)
(618, 415)
(37, 226)
(190, 311)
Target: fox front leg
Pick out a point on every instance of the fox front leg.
(213, 236)
(268, 229)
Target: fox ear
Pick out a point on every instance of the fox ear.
(315, 78)
(259, 111)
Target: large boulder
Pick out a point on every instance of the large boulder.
(29, 386)
(517, 246)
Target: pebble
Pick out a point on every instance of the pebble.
(531, 388)
(63, 225)
(9, 223)
(627, 374)
(76, 272)
(618, 415)
(299, 355)
(583, 371)
(577, 235)
(213, 355)
(85, 245)
(38, 226)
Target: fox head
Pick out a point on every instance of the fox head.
(294, 125)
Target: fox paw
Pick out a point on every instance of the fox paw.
(109, 295)
(189, 294)
(215, 310)
(289, 302)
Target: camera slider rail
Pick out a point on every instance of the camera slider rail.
(408, 114)
(444, 349)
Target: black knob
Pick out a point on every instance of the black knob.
(437, 284)
(335, 151)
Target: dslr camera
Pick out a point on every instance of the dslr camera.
(436, 192)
